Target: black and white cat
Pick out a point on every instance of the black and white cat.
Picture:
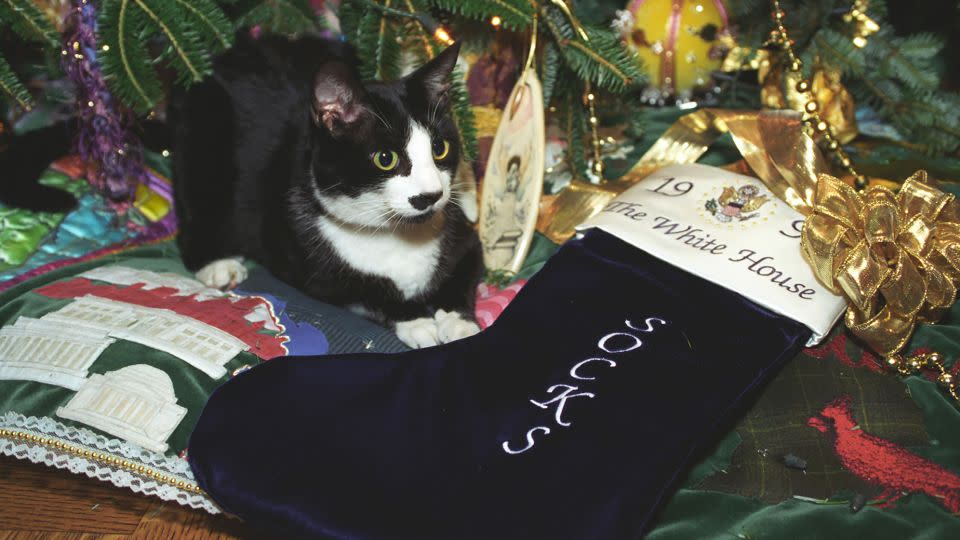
(342, 188)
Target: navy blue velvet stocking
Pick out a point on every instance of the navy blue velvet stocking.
(571, 417)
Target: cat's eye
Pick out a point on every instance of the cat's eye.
(441, 147)
(386, 160)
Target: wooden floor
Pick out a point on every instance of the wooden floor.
(40, 502)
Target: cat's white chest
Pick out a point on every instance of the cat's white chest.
(409, 261)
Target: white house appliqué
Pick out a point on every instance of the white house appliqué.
(587, 369)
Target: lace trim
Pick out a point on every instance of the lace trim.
(49, 426)
(66, 447)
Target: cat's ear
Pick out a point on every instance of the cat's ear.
(433, 78)
(338, 98)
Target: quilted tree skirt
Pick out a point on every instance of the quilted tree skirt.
(109, 350)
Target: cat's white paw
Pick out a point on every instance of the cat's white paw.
(223, 273)
(451, 326)
(418, 333)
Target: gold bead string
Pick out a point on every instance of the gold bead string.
(931, 360)
(861, 23)
(102, 457)
(589, 98)
(811, 109)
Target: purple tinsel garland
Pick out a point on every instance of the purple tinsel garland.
(113, 155)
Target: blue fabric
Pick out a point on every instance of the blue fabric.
(412, 445)
(302, 338)
(337, 330)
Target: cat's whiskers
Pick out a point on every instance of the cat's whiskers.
(433, 114)
(388, 215)
(326, 189)
(378, 210)
(382, 120)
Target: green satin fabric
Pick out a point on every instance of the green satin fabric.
(22, 231)
(705, 515)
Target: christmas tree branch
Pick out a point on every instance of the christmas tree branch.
(209, 15)
(12, 87)
(516, 15)
(30, 23)
(281, 16)
(898, 75)
(26, 19)
(171, 35)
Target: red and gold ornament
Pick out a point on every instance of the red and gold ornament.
(680, 41)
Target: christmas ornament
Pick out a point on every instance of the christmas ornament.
(513, 182)
(782, 88)
(112, 153)
(861, 24)
(679, 41)
(811, 108)
(896, 257)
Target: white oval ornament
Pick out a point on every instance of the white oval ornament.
(513, 183)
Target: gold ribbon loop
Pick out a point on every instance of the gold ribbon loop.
(893, 256)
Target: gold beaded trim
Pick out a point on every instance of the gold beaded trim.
(931, 360)
(780, 37)
(589, 98)
(102, 457)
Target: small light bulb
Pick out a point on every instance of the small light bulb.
(106, 47)
(441, 34)
(495, 21)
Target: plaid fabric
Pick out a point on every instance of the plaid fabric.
(777, 424)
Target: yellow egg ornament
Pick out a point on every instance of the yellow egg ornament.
(680, 41)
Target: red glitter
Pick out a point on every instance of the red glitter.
(884, 463)
(225, 313)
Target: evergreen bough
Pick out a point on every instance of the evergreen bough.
(382, 29)
(183, 35)
(898, 76)
(26, 20)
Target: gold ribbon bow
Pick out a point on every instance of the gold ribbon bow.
(896, 257)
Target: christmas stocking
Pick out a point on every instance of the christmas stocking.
(572, 416)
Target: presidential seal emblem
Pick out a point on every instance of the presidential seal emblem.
(737, 204)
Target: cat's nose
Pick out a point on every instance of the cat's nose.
(424, 200)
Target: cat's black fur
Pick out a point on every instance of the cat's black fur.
(251, 148)
(23, 158)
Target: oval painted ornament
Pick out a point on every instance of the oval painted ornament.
(513, 183)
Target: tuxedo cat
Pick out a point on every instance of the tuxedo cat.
(343, 188)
